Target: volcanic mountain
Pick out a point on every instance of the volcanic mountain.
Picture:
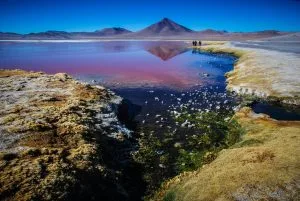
(165, 27)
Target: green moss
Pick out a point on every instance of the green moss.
(38, 126)
(166, 154)
(9, 118)
(234, 133)
(148, 147)
(249, 142)
(164, 158)
(216, 131)
(170, 196)
(189, 160)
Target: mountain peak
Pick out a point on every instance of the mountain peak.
(165, 19)
(165, 27)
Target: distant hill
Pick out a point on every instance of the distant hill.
(113, 31)
(63, 35)
(212, 32)
(165, 27)
(48, 35)
(286, 38)
(10, 36)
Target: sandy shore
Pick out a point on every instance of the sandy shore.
(282, 46)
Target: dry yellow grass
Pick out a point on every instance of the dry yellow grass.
(265, 165)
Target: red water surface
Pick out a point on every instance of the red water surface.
(123, 63)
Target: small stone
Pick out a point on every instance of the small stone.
(177, 145)
(161, 165)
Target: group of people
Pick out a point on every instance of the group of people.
(195, 43)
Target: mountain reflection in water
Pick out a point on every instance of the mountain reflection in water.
(167, 51)
(117, 63)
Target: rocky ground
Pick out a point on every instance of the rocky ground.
(55, 135)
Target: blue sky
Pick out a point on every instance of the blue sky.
(24, 16)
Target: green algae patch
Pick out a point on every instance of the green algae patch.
(216, 132)
(172, 153)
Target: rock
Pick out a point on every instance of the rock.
(62, 76)
(184, 124)
(227, 119)
(161, 165)
(178, 145)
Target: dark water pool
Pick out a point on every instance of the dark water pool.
(277, 111)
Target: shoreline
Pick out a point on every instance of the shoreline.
(262, 74)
